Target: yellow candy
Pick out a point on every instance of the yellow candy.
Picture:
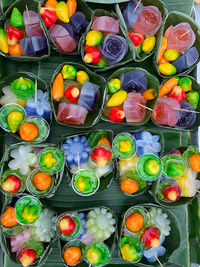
(3, 41)
(187, 183)
(167, 69)
(62, 13)
(171, 55)
(82, 77)
(125, 165)
(124, 146)
(49, 160)
(14, 119)
(94, 38)
(149, 44)
(117, 99)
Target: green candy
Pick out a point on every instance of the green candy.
(69, 72)
(16, 19)
(94, 38)
(151, 167)
(114, 85)
(139, 48)
(102, 63)
(23, 88)
(171, 55)
(175, 169)
(193, 98)
(186, 84)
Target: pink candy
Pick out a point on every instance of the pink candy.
(17, 240)
(105, 24)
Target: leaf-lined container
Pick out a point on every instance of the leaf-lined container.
(162, 8)
(110, 242)
(21, 5)
(171, 243)
(134, 172)
(5, 241)
(92, 116)
(182, 200)
(82, 7)
(175, 18)
(195, 88)
(130, 54)
(152, 83)
(26, 75)
(93, 137)
(57, 177)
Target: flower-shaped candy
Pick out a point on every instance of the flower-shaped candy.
(159, 251)
(9, 97)
(160, 219)
(24, 158)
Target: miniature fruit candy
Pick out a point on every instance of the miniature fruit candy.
(117, 114)
(104, 141)
(195, 162)
(114, 85)
(150, 237)
(136, 38)
(92, 55)
(129, 186)
(130, 249)
(102, 63)
(150, 94)
(3, 41)
(114, 48)
(72, 255)
(178, 94)
(82, 77)
(69, 72)
(131, 12)
(101, 156)
(58, 87)
(67, 225)
(117, 99)
(185, 61)
(105, 24)
(133, 111)
(71, 113)
(49, 17)
(28, 131)
(33, 45)
(173, 166)
(14, 35)
(8, 218)
(134, 81)
(50, 4)
(15, 118)
(42, 181)
(11, 184)
(89, 96)
(171, 55)
(72, 5)
(185, 83)
(162, 49)
(186, 119)
(62, 11)
(193, 98)
(15, 50)
(134, 222)
(167, 69)
(23, 88)
(148, 44)
(16, 19)
(171, 192)
(30, 213)
(167, 86)
(72, 93)
(27, 257)
(94, 38)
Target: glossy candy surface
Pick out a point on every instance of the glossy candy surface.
(33, 45)
(105, 24)
(89, 96)
(134, 81)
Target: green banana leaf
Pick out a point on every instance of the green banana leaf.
(195, 87)
(81, 6)
(175, 18)
(130, 55)
(162, 8)
(171, 243)
(21, 5)
(6, 158)
(92, 116)
(152, 83)
(181, 200)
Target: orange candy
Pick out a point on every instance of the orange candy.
(28, 131)
(8, 218)
(51, 4)
(104, 141)
(129, 186)
(72, 255)
(134, 222)
(195, 162)
(15, 50)
(42, 181)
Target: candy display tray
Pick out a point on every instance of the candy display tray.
(65, 198)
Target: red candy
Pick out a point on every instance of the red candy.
(92, 55)
(27, 256)
(49, 17)
(101, 156)
(150, 237)
(178, 94)
(117, 114)
(67, 225)
(136, 38)
(11, 184)
(14, 35)
(72, 93)
(171, 193)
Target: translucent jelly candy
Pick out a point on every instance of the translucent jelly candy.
(9, 97)
(134, 81)
(17, 240)
(23, 88)
(186, 119)
(33, 45)
(128, 15)
(105, 24)
(89, 95)
(32, 24)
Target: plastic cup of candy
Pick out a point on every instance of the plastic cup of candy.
(97, 254)
(28, 210)
(124, 146)
(130, 249)
(135, 219)
(85, 182)
(149, 167)
(100, 156)
(169, 191)
(39, 183)
(73, 253)
(12, 183)
(68, 226)
(173, 166)
(191, 150)
(29, 253)
(150, 237)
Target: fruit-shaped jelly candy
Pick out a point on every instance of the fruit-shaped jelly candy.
(117, 114)
(8, 218)
(92, 55)
(14, 119)
(72, 255)
(58, 87)
(136, 38)
(49, 17)
(62, 12)
(185, 83)
(27, 256)
(15, 50)
(3, 41)
(114, 85)
(117, 99)
(178, 94)
(102, 63)
(71, 4)
(72, 93)
(51, 4)
(42, 181)
(193, 98)
(23, 88)
(195, 162)
(14, 35)
(149, 44)
(82, 77)
(171, 55)
(16, 19)
(150, 94)
(167, 69)
(162, 49)
(69, 72)
(94, 38)
(167, 86)
(28, 131)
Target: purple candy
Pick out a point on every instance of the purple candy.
(105, 24)
(32, 24)
(128, 15)
(186, 119)
(134, 81)
(89, 95)
(33, 45)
